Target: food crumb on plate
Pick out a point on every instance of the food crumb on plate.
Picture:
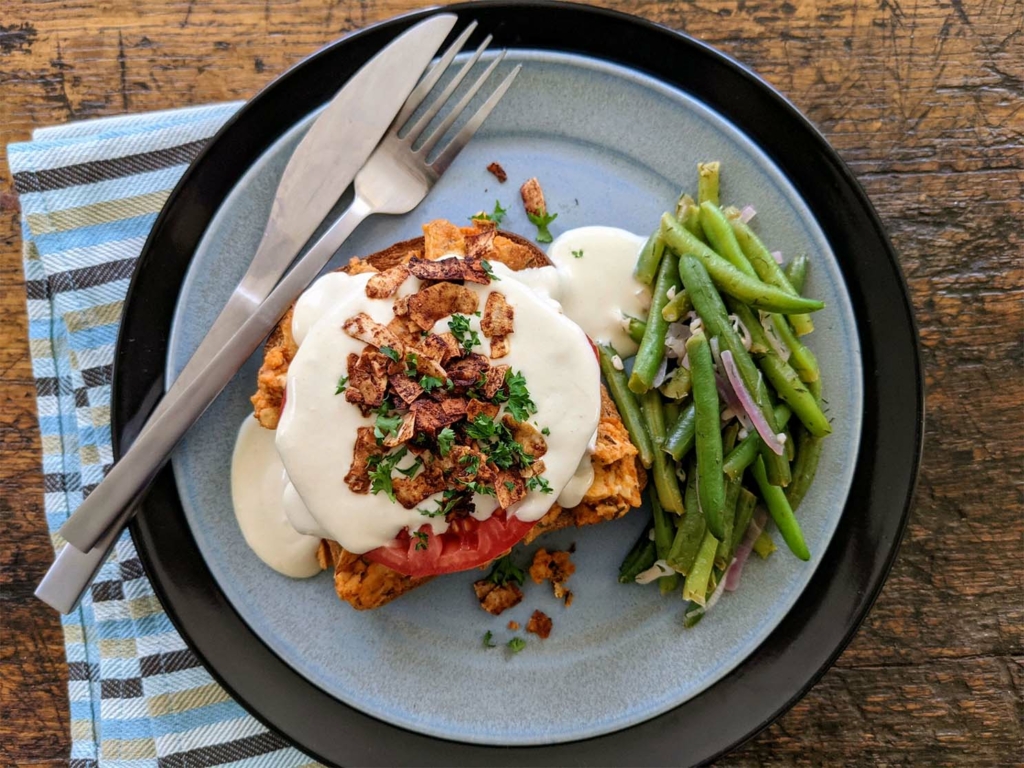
(498, 171)
(554, 566)
(496, 599)
(539, 624)
(513, 625)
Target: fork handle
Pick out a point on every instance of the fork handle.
(133, 474)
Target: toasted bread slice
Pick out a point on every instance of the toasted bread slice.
(618, 475)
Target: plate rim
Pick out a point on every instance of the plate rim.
(195, 207)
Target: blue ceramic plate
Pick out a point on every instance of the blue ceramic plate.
(614, 147)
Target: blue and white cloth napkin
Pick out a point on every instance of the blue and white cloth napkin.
(89, 195)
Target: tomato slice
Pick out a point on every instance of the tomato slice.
(466, 544)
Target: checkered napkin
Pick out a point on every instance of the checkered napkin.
(89, 194)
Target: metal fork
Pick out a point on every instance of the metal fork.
(395, 179)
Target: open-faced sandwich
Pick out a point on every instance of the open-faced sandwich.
(431, 410)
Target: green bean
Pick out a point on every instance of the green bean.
(677, 385)
(691, 529)
(677, 307)
(729, 435)
(652, 347)
(808, 453)
(696, 585)
(645, 558)
(649, 260)
(708, 181)
(636, 328)
(664, 531)
(672, 410)
(778, 507)
(710, 485)
(732, 495)
(764, 545)
(715, 318)
(800, 357)
(681, 439)
(744, 512)
(634, 552)
(689, 214)
(790, 446)
(665, 481)
(743, 455)
(730, 280)
(783, 378)
(626, 402)
(722, 238)
(769, 270)
(796, 272)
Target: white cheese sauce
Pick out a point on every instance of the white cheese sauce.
(288, 485)
(258, 483)
(317, 431)
(596, 286)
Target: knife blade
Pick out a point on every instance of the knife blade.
(320, 169)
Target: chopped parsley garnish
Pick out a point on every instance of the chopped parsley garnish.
(505, 570)
(391, 352)
(496, 216)
(411, 361)
(342, 385)
(445, 440)
(538, 483)
(449, 500)
(411, 469)
(483, 490)
(510, 486)
(516, 644)
(384, 425)
(430, 382)
(466, 336)
(421, 540)
(578, 254)
(497, 442)
(471, 462)
(379, 469)
(542, 222)
(487, 269)
(489, 640)
(519, 403)
(545, 431)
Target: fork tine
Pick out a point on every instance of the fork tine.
(433, 75)
(450, 152)
(457, 110)
(446, 94)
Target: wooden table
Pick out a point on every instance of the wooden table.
(924, 100)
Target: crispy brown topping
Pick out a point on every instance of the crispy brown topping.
(513, 625)
(533, 197)
(365, 328)
(445, 269)
(359, 266)
(467, 371)
(405, 432)
(440, 300)
(466, 463)
(384, 284)
(555, 567)
(498, 316)
(498, 171)
(509, 487)
(513, 255)
(367, 378)
(477, 407)
(539, 624)
(404, 387)
(410, 491)
(494, 599)
(454, 408)
(479, 245)
(401, 306)
(358, 477)
(500, 347)
(441, 238)
(441, 347)
(535, 469)
(494, 377)
(431, 416)
(527, 436)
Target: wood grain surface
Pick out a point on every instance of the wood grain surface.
(922, 98)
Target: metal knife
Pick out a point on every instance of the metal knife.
(323, 165)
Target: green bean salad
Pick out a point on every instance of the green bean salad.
(723, 400)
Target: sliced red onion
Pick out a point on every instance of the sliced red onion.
(660, 376)
(747, 213)
(675, 340)
(656, 571)
(757, 523)
(773, 336)
(777, 255)
(750, 405)
(715, 596)
(743, 331)
(725, 390)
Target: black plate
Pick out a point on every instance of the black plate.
(856, 563)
